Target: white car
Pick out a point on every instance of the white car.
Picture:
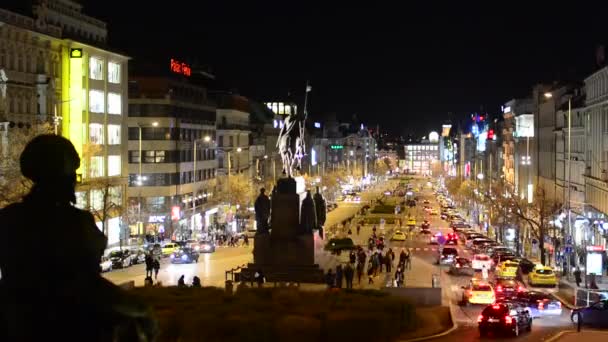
(105, 265)
(481, 260)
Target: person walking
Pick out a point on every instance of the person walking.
(375, 263)
(381, 261)
(388, 261)
(399, 276)
(156, 266)
(370, 273)
(352, 257)
(402, 257)
(484, 272)
(358, 229)
(349, 274)
(246, 240)
(408, 260)
(181, 282)
(360, 267)
(577, 276)
(149, 261)
(339, 275)
(330, 279)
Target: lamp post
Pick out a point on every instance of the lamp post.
(140, 179)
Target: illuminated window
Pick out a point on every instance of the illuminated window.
(96, 101)
(281, 108)
(113, 166)
(113, 134)
(96, 165)
(114, 104)
(96, 133)
(96, 199)
(95, 68)
(81, 199)
(288, 110)
(113, 72)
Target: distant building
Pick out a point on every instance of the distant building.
(233, 131)
(423, 157)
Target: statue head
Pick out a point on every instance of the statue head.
(262, 191)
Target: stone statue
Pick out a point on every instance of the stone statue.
(321, 208)
(262, 212)
(308, 217)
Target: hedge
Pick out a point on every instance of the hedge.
(383, 209)
(277, 314)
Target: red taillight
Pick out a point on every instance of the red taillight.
(520, 289)
(508, 320)
(479, 318)
(541, 305)
(457, 265)
(499, 288)
(495, 306)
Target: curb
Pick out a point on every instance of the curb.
(434, 336)
(563, 301)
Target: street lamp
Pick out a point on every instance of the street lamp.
(140, 179)
(480, 176)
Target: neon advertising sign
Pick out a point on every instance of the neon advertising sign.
(180, 67)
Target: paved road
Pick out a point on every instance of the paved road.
(211, 267)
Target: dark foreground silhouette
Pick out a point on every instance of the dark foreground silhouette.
(50, 286)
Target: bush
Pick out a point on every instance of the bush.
(384, 209)
(277, 314)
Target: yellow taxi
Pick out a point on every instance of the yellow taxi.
(434, 212)
(507, 269)
(169, 248)
(411, 221)
(478, 292)
(542, 275)
(398, 236)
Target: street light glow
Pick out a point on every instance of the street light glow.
(207, 138)
(239, 149)
(548, 95)
(155, 124)
(480, 176)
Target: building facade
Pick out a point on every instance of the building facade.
(172, 184)
(423, 158)
(233, 133)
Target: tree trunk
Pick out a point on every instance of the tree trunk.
(541, 243)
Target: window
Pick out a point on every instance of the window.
(81, 199)
(113, 134)
(95, 68)
(221, 141)
(230, 141)
(114, 104)
(96, 101)
(133, 156)
(96, 167)
(113, 72)
(96, 199)
(96, 133)
(113, 166)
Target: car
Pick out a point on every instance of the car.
(121, 258)
(459, 226)
(206, 246)
(504, 318)
(542, 275)
(451, 239)
(184, 255)
(539, 304)
(398, 236)
(138, 255)
(526, 266)
(461, 266)
(478, 292)
(411, 221)
(425, 225)
(433, 212)
(105, 265)
(169, 248)
(477, 242)
(447, 256)
(480, 261)
(425, 231)
(506, 269)
(434, 238)
(426, 201)
(507, 288)
(499, 249)
(499, 257)
(468, 238)
(595, 314)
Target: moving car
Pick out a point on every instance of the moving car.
(411, 221)
(169, 248)
(434, 238)
(121, 259)
(506, 318)
(425, 225)
(507, 288)
(447, 256)
(451, 239)
(426, 201)
(506, 269)
(105, 265)
(184, 255)
(461, 266)
(595, 314)
(539, 303)
(206, 247)
(478, 293)
(398, 236)
(542, 275)
(481, 260)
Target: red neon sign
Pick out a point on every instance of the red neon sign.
(180, 67)
(175, 213)
(491, 134)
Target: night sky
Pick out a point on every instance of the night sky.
(402, 66)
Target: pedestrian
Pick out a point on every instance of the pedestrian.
(339, 276)
(374, 230)
(149, 265)
(370, 273)
(330, 279)
(399, 276)
(245, 240)
(388, 261)
(402, 257)
(196, 282)
(156, 266)
(358, 229)
(577, 276)
(352, 257)
(259, 278)
(181, 282)
(381, 261)
(360, 267)
(349, 274)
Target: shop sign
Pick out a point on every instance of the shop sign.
(595, 248)
(156, 218)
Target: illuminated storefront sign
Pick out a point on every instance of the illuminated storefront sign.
(76, 53)
(175, 213)
(180, 67)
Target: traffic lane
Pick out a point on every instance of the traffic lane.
(471, 333)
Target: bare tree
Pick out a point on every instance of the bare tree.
(237, 189)
(13, 185)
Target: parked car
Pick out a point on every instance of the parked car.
(504, 318)
(461, 266)
(540, 304)
(139, 256)
(106, 264)
(542, 275)
(184, 255)
(506, 269)
(595, 314)
(121, 259)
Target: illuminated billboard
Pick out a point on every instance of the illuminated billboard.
(524, 125)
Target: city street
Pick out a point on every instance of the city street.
(211, 267)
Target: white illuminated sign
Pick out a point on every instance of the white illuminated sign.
(507, 109)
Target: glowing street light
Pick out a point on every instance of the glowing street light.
(548, 95)
(207, 138)
(480, 176)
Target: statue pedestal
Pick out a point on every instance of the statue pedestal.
(285, 255)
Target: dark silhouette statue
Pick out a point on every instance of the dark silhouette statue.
(308, 217)
(262, 212)
(321, 210)
(50, 285)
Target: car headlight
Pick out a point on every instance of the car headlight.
(197, 247)
(185, 257)
(206, 247)
(172, 256)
